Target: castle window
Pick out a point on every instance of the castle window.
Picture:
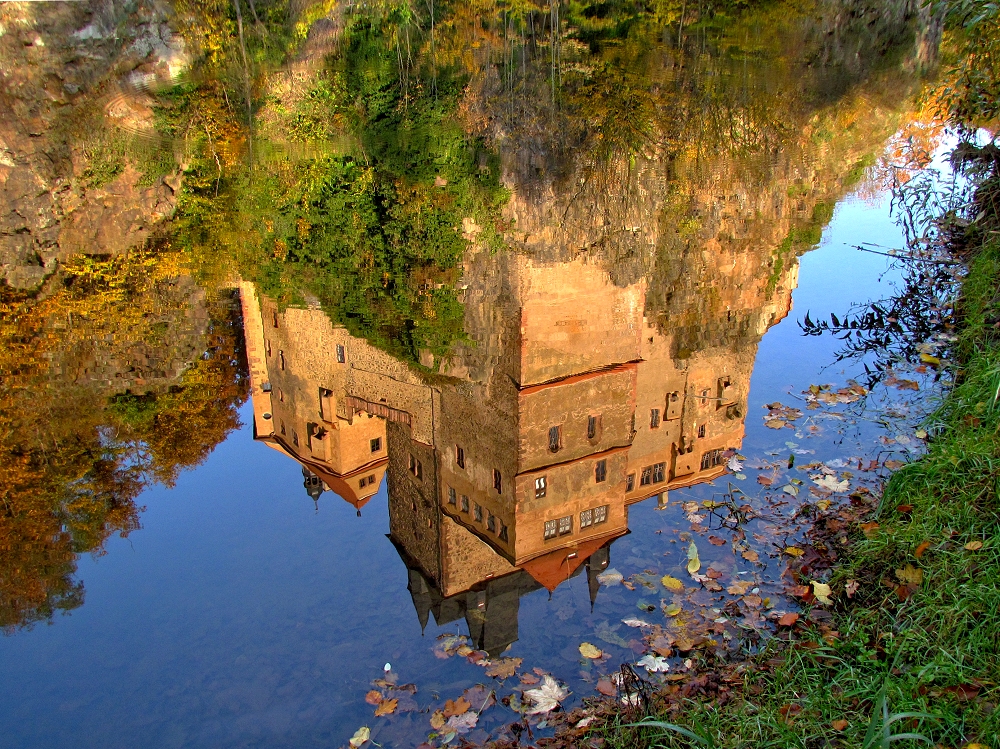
(363, 483)
(630, 482)
(550, 529)
(460, 456)
(371, 479)
(654, 418)
(555, 439)
(701, 430)
(416, 468)
(274, 319)
(592, 427)
(647, 476)
(565, 525)
(600, 514)
(600, 471)
(503, 532)
(497, 481)
(659, 471)
(540, 487)
(283, 427)
(452, 497)
(267, 348)
(491, 523)
(281, 359)
(586, 518)
(465, 503)
(376, 444)
(295, 438)
(477, 512)
(341, 354)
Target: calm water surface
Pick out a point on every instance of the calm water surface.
(455, 367)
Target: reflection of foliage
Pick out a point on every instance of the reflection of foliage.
(375, 232)
(970, 89)
(898, 329)
(70, 465)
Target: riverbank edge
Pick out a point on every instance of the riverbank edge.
(920, 630)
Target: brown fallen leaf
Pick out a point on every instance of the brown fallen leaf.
(716, 541)
(839, 725)
(869, 529)
(904, 509)
(787, 620)
(503, 668)
(919, 551)
(605, 687)
(373, 697)
(479, 697)
(974, 546)
(438, 720)
(528, 678)
(750, 555)
(456, 707)
(386, 707)
(851, 588)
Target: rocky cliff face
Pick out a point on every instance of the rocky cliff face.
(74, 115)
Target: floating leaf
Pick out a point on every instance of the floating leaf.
(479, 697)
(790, 489)
(462, 723)
(547, 697)
(610, 577)
(694, 561)
(672, 609)
(822, 592)
(750, 555)
(672, 583)
(740, 587)
(438, 720)
(654, 663)
(360, 736)
(386, 707)
(605, 687)
(830, 483)
(633, 622)
(502, 668)
(456, 707)
(373, 697)
(589, 651)
(794, 551)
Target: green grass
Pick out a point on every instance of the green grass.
(903, 673)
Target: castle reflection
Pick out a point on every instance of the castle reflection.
(512, 464)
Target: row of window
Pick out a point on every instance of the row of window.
(366, 481)
(341, 353)
(492, 524)
(600, 475)
(564, 525)
(460, 461)
(653, 474)
(556, 435)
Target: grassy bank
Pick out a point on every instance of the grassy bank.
(915, 648)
